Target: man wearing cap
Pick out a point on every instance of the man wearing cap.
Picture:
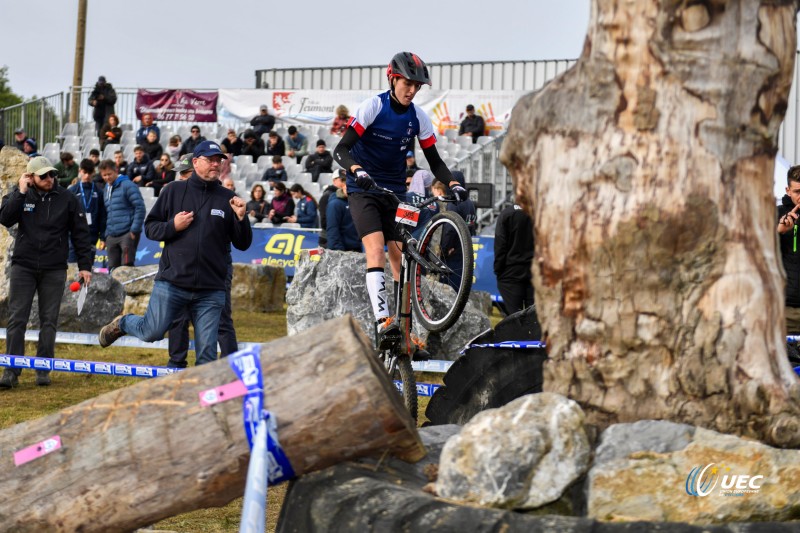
(102, 98)
(472, 125)
(197, 220)
(30, 148)
(320, 161)
(125, 215)
(19, 139)
(47, 218)
(263, 122)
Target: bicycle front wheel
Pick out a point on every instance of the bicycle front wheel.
(404, 373)
(441, 288)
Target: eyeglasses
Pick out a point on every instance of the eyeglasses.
(214, 159)
(51, 174)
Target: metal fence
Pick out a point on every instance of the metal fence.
(42, 119)
(474, 76)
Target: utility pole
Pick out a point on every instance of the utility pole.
(77, 75)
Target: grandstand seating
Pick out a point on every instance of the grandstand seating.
(451, 134)
(243, 159)
(303, 178)
(108, 151)
(69, 129)
(325, 179)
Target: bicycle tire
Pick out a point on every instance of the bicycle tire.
(435, 314)
(404, 373)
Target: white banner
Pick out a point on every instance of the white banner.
(445, 108)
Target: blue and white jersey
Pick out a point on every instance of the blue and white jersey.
(384, 140)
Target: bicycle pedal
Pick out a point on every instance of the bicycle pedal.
(421, 355)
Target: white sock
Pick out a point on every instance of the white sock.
(376, 286)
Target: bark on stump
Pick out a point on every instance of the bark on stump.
(647, 169)
(146, 452)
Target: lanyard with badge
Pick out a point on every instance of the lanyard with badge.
(86, 204)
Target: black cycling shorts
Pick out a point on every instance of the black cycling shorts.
(374, 212)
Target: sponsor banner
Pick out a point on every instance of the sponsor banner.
(445, 108)
(176, 105)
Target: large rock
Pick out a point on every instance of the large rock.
(333, 284)
(12, 166)
(137, 293)
(520, 456)
(642, 472)
(104, 301)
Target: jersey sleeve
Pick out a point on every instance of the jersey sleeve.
(365, 114)
(426, 135)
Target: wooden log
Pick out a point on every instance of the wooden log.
(149, 451)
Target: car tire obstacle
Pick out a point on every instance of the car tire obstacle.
(484, 378)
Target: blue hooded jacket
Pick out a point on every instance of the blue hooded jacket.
(124, 207)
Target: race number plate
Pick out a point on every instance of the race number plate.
(407, 214)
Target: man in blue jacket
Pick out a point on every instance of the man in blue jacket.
(91, 197)
(125, 215)
(46, 216)
(197, 220)
(341, 231)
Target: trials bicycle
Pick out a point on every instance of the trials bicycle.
(435, 281)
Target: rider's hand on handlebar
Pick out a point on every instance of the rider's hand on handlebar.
(363, 180)
(459, 192)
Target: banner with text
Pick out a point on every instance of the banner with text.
(177, 105)
(445, 108)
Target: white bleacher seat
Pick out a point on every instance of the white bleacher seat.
(241, 188)
(450, 162)
(293, 170)
(288, 160)
(263, 225)
(281, 131)
(252, 177)
(264, 162)
(55, 146)
(108, 151)
(147, 192)
(70, 129)
(71, 147)
(149, 203)
(303, 160)
(88, 127)
(290, 225)
(472, 148)
(303, 178)
(451, 133)
(246, 168)
(127, 152)
(52, 155)
(126, 127)
(93, 142)
(325, 179)
(483, 140)
(128, 135)
(496, 133)
(313, 189)
(463, 141)
(243, 159)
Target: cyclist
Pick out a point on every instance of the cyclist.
(373, 151)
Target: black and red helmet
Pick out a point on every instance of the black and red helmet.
(409, 66)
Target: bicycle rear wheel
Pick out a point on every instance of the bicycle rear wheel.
(447, 247)
(404, 373)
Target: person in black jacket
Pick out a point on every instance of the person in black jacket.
(197, 220)
(192, 142)
(102, 98)
(263, 122)
(141, 170)
(513, 254)
(330, 191)
(47, 216)
(320, 161)
(790, 252)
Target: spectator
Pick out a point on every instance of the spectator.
(121, 164)
(183, 169)
(125, 208)
(320, 161)
(513, 255)
(252, 146)
(102, 98)
(67, 169)
(305, 211)
(338, 181)
(258, 207)
(39, 259)
(275, 145)
(141, 170)
(411, 163)
(152, 147)
(195, 260)
(277, 172)
(110, 133)
(233, 144)
(281, 207)
(164, 174)
(790, 253)
(341, 231)
(192, 142)
(472, 125)
(30, 148)
(263, 122)
(147, 127)
(340, 120)
(19, 139)
(174, 147)
(296, 143)
(229, 184)
(90, 196)
(94, 155)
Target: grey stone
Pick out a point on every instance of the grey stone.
(259, 288)
(520, 456)
(137, 293)
(642, 473)
(332, 284)
(104, 301)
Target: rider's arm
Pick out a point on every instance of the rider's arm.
(342, 151)
(438, 167)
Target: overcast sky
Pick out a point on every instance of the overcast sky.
(220, 44)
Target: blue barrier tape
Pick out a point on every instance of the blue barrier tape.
(85, 367)
(797, 370)
(254, 508)
(423, 389)
(505, 345)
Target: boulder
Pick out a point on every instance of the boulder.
(520, 456)
(332, 283)
(137, 293)
(104, 301)
(259, 288)
(12, 166)
(646, 471)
